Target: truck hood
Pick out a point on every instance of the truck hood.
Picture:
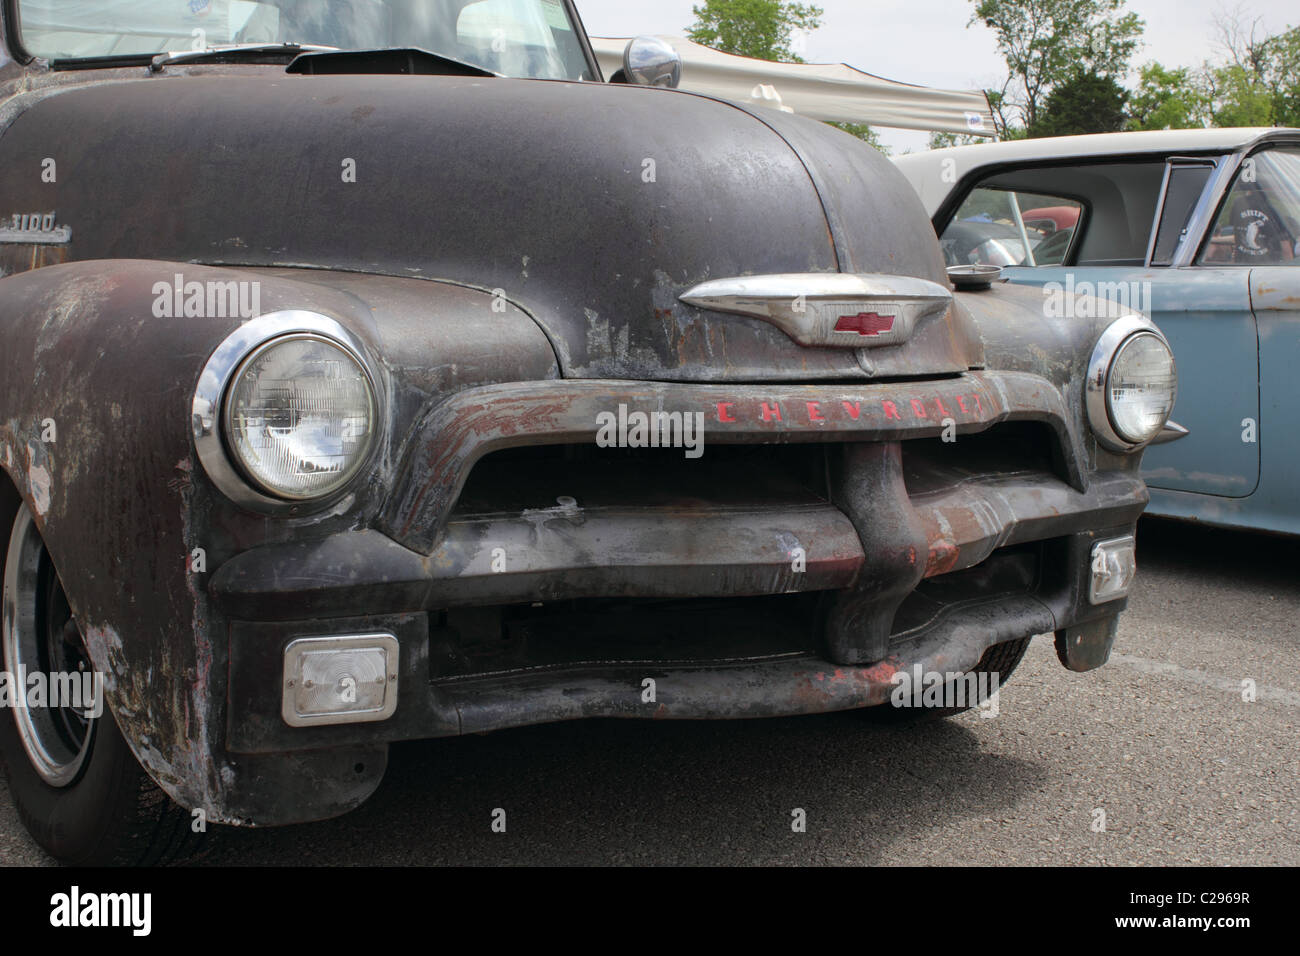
(594, 208)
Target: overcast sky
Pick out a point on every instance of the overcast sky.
(927, 41)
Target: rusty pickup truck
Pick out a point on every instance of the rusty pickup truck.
(379, 370)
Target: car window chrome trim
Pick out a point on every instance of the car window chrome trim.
(207, 410)
(1207, 208)
(1170, 163)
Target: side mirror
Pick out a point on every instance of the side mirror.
(650, 61)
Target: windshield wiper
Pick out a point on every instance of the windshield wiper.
(157, 64)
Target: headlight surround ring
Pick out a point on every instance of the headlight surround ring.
(209, 413)
(1118, 336)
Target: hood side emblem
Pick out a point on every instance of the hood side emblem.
(835, 310)
(40, 228)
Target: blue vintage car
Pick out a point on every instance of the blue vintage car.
(1200, 229)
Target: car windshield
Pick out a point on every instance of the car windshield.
(521, 38)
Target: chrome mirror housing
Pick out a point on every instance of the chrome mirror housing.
(650, 61)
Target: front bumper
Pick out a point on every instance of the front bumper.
(917, 550)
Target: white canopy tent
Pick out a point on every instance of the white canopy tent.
(832, 92)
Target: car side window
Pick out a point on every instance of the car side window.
(1259, 222)
(1002, 227)
(1184, 184)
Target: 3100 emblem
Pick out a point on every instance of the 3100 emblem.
(38, 227)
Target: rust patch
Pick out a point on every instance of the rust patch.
(942, 559)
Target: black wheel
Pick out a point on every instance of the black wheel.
(1000, 659)
(77, 787)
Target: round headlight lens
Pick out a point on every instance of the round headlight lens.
(300, 416)
(1141, 388)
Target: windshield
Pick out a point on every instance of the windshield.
(522, 38)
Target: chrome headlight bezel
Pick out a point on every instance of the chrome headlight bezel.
(209, 415)
(1097, 399)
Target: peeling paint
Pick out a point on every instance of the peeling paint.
(38, 479)
(104, 645)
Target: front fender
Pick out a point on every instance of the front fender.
(1024, 329)
(95, 394)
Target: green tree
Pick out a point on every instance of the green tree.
(1167, 99)
(1004, 115)
(1236, 97)
(762, 29)
(1282, 76)
(1084, 103)
(1047, 42)
(1256, 82)
(1259, 84)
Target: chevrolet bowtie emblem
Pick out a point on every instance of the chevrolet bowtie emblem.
(865, 323)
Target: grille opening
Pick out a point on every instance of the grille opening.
(614, 631)
(931, 464)
(517, 479)
(736, 475)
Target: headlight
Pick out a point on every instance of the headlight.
(299, 417)
(1140, 392)
(1132, 384)
(286, 411)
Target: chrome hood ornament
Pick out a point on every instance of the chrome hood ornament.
(833, 310)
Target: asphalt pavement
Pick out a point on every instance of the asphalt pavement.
(1157, 758)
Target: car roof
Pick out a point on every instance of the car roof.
(933, 178)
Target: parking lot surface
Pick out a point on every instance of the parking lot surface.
(1159, 747)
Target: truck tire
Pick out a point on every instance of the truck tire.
(77, 787)
(1000, 659)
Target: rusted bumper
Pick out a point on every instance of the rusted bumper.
(569, 554)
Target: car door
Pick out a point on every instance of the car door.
(1205, 313)
(1261, 217)
(1275, 294)
(1132, 219)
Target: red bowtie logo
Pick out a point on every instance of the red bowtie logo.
(865, 323)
